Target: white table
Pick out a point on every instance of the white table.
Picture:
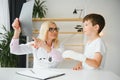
(10, 74)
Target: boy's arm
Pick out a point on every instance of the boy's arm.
(96, 61)
(74, 55)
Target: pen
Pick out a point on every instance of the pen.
(32, 71)
(55, 76)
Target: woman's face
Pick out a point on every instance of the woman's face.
(52, 32)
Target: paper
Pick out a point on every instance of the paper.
(26, 18)
(41, 74)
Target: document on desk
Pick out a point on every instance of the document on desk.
(41, 74)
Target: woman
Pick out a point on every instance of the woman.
(45, 48)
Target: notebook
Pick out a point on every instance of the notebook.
(41, 74)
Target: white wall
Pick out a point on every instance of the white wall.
(4, 15)
(63, 8)
(108, 8)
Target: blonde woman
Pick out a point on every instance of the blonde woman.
(45, 48)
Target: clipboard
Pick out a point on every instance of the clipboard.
(40, 74)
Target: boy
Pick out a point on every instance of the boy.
(94, 53)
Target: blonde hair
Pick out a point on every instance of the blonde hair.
(44, 31)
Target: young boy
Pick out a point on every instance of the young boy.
(94, 53)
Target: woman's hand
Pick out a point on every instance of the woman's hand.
(16, 27)
(39, 43)
(78, 66)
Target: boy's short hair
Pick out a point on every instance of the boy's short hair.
(96, 19)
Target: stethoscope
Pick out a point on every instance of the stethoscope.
(49, 58)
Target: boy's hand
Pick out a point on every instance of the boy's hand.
(78, 66)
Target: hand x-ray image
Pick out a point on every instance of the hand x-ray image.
(26, 18)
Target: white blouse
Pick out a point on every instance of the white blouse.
(41, 59)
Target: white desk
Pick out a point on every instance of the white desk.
(10, 74)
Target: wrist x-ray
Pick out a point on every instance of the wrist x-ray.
(26, 18)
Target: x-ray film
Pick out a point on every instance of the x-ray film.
(26, 18)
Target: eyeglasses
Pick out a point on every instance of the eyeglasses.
(53, 29)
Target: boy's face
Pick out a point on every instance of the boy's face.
(89, 29)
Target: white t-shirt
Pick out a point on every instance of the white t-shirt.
(90, 50)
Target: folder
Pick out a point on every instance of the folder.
(41, 74)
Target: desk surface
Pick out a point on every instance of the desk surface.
(10, 74)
